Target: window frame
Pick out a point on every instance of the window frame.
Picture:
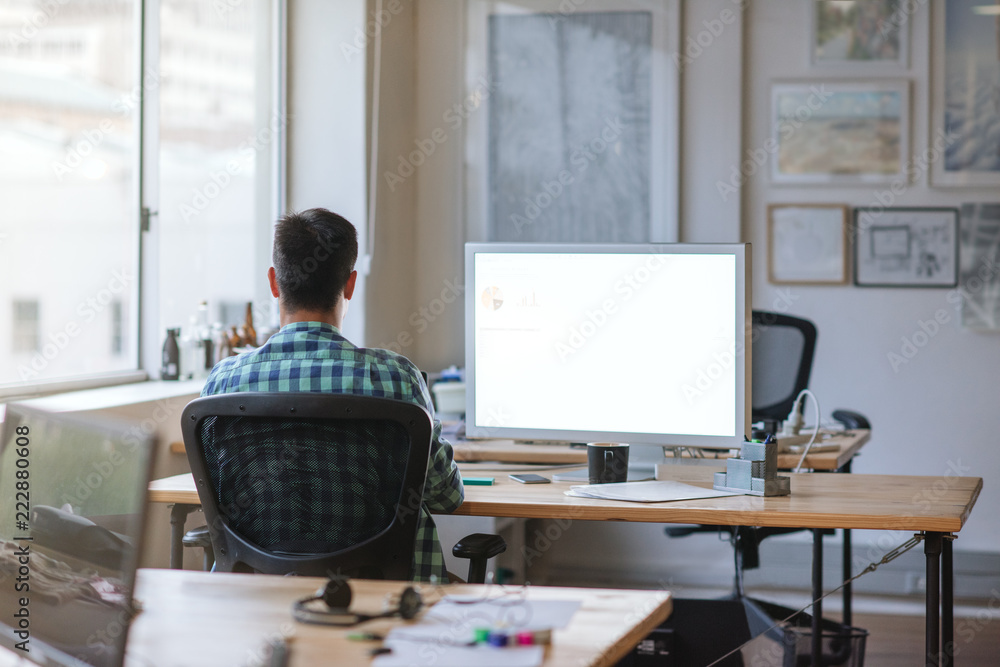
(143, 319)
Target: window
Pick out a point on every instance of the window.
(117, 328)
(26, 338)
(218, 141)
(68, 156)
(71, 99)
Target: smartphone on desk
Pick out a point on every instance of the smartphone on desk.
(530, 478)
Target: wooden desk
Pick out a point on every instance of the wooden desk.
(509, 451)
(199, 618)
(935, 506)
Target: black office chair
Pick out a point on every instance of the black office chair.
(314, 484)
(783, 349)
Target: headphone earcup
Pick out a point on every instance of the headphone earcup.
(337, 593)
(410, 603)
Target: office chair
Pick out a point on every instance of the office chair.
(783, 348)
(314, 484)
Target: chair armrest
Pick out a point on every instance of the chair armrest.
(478, 548)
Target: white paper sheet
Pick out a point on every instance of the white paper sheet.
(646, 492)
(438, 637)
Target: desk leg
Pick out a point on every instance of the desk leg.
(817, 592)
(947, 603)
(178, 517)
(932, 550)
(848, 555)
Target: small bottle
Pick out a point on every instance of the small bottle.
(222, 348)
(191, 353)
(250, 338)
(206, 345)
(171, 356)
(234, 338)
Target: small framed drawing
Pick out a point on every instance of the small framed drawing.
(867, 35)
(906, 247)
(839, 133)
(807, 243)
(964, 149)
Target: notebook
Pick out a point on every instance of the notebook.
(73, 508)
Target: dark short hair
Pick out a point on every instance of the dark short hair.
(314, 255)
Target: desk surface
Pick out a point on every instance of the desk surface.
(509, 451)
(199, 618)
(818, 500)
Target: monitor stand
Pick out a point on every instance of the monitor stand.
(642, 463)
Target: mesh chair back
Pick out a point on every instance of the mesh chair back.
(309, 483)
(783, 348)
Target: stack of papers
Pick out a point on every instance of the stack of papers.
(646, 492)
(443, 636)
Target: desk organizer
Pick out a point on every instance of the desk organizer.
(754, 472)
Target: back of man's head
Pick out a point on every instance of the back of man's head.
(314, 255)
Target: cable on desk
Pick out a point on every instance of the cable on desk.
(891, 556)
(806, 392)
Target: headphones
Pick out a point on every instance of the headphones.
(336, 595)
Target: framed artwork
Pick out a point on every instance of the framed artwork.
(558, 168)
(868, 35)
(979, 271)
(839, 133)
(906, 247)
(806, 244)
(965, 142)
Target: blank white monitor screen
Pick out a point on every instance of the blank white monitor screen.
(627, 343)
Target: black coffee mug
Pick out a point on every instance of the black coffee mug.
(607, 462)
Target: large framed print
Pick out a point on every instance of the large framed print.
(866, 35)
(840, 133)
(906, 247)
(807, 244)
(966, 94)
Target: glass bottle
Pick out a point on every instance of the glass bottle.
(171, 356)
(250, 338)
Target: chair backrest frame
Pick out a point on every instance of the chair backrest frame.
(762, 320)
(390, 552)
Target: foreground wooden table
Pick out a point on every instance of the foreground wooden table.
(200, 618)
(936, 507)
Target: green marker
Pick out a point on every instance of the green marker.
(478, 481)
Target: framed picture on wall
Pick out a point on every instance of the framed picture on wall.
(906, 247)
(965, 133)
(979, 269)
(867, 35)
(806, 244)
(828, 132)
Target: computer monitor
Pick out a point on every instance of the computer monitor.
(644, 344)
(74, 499)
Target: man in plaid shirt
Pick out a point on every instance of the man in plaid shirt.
(313, 278)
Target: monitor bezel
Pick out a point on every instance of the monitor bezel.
(743, 322)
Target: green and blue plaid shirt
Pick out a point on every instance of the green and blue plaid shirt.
(314, 356)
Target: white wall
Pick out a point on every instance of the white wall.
(937, 412)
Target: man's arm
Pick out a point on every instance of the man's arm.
(443, 490)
